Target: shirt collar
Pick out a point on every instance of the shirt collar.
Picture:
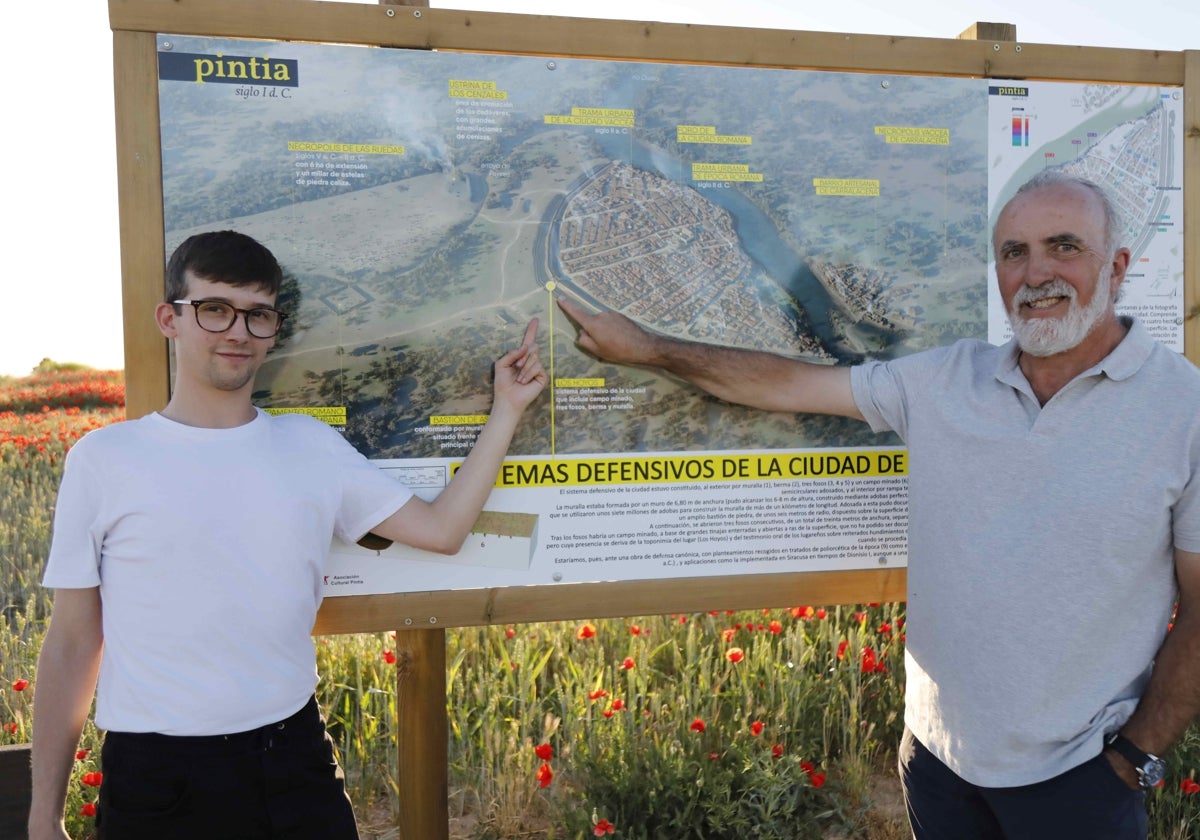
(1124, 361)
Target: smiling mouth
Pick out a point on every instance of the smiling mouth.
(1044, 303)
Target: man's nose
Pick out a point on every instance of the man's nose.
(1040, 269)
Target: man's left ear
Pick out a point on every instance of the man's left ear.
(1120, 266)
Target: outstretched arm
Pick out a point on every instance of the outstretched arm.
(1172, 697)
(443, 524)
(761, 380)
(66, 682)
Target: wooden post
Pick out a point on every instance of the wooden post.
(981, 31)
(422, 732)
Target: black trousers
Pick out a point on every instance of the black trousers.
(278, 781)
(1088, 802)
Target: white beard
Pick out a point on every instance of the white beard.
(1049, 336)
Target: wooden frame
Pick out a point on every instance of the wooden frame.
(422, 654)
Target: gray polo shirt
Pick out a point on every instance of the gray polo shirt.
(1041, 571)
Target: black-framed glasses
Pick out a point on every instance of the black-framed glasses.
(218, 316)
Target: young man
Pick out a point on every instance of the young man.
(1054, 500)
(187, 563)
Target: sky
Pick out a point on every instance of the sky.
(61, 283)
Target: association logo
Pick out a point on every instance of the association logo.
(201, 68)
(1008, 90)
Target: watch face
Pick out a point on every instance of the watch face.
(1153, 773)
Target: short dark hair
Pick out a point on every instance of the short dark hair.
(223, 256)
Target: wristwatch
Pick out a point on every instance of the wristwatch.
(1150, 768)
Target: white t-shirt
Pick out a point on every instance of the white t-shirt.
(209, 548)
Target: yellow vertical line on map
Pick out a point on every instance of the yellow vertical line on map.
(550, 372)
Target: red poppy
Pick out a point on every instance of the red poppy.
(885, 628)
(389, 657)
(635, 629)
(509, 632)
(88, 809)
(544, 751)
(775, 627)
(82, 754)
(808, 767)
(860, 617)
(713, 756)
(20, 685)
(802, 612)
(697, 725)
(1189, 786)
(603, 827)
(727, 635)
(10, 728)
(818, 779)
(585, 631)
(92, 779)
(821, 613)
(628, 664)
(841, 651)
(777, 751)
(608, 713)
(756, 728)
(735, 655)
(597, 694)
(618, 704)
(544, 775)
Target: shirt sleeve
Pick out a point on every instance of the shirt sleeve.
(880, 396)
(74, 561)
(368, 494)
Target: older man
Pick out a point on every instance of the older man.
(1054, 497)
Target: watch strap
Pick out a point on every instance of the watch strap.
(1129, 750)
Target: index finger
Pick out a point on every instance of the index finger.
(574, 311)
(530, 333)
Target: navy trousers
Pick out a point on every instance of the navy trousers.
(278, 781)
(1088, 802)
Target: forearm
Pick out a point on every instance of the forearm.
(458, 506)
(1172, 697)
(66, 682)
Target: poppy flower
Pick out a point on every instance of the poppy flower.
(628, 664)
(20, 685)
(817, 779)
(777, 751)
(735, 655)
(618, 704)
(1189, 786)
(841, 651)
(585, 631)
(821, 613)
(608, 713)
(509, 632)
(597, 694)
(92, 779)
(727, 635)
(544, 751)
(544, 776)
(603, 827)
(389, 657)
(697, 725)
(88, 809)
(82, 754)
(775, 626)
(756, 728)
(635, 629)
(10, 728)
